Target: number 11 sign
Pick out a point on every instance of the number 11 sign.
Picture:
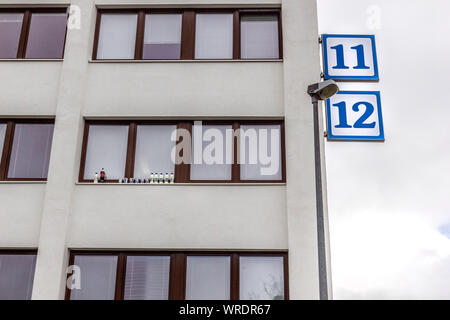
(355, 115)
(349, 57)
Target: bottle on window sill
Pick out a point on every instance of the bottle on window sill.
(102, 175)
(96, 177)
(151, 178)
(172, 178)
(161, 178)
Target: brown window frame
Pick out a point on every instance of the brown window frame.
(26, 22)
(8, 143)
(188, 28)
(182, 171)
(178, 267)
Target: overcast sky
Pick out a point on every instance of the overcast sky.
(389, 203)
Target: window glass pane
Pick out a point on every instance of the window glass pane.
(117, 38)
(46, 36)
(214, 36)
(208, 278)
(98, 278)
(212, 153)
(10, 28)
(2, 137)
(106, 148)
(259, 37)
(261, 278)
(30, 153)
(16, 276)
(153, 150)
(260, 152)
(147, 278)
(162, 37)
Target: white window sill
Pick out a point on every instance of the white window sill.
(31, 60)
(183, 61)
(23, 182)
(183, 184)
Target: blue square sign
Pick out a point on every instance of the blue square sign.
(349, 57)
(355, 115)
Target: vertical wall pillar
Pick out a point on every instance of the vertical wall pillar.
(50, 275)
(301, 68)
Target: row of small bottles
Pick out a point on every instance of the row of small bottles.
(155, 178)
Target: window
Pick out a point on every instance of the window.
(147, 278)
(106, 149)
(261, 278)
(260, 152)
(208, 278)
(162, 37)
(10, 29)
(16, 274)
(259, 36)
(2, 137)
(153, 150)
(178, 275)
(187, 34)
(97, 278)
(192, 151)
(214, 36)
(212, 152)
(26, 147)
(32, 34)
(117, 37)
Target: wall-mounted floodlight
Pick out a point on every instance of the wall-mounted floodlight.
(320, 91)
(323, 90)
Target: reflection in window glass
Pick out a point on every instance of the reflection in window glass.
(30, 155)
(208, 278)
(16, 276)
(162, 37)
(259, 37)
(211, 156)
(261, 278)
(260, 152)
(98, 278)
(2, 137)
(106, 148)
(153, 150)
(117, 37)
(214, 36)
(147, 278)
(46, 36)
(10, 28)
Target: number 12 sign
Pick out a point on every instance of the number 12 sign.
(349, 57)
(355, 115)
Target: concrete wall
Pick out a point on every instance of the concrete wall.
(63, 214)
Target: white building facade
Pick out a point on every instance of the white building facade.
(107, 92)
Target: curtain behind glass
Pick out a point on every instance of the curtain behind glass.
(117, 38)
(162, 37)
(10, 28)
(107, 148)
(207, 170)
(31, 149)
(208, 278)
(259, 37)
(46, 36)
(98, 278)
(264, 143)
(16, 276)
(261, 278)
(147, 278)
(153, 150)
(214, 36)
